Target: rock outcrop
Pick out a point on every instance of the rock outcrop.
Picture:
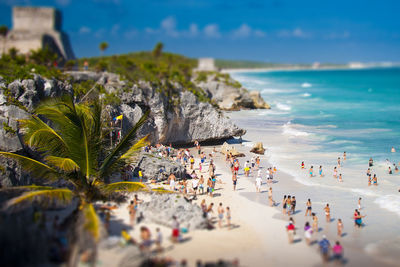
(162, 207)
(258, 148)
(229, 95)
(156, 167)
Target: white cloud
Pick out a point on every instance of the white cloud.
(149, 30)
(245, 31)
(169, 26)
(297, 33)
(193, 29)
(100, 33)
(212, 31)
(84, 30)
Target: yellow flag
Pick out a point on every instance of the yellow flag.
(119, 117)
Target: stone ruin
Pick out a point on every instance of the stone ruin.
(35, 28)
(206, 64)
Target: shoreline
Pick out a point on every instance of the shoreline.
(250, 70)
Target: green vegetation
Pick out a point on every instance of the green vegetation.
(103, 46)
(14, 66)
(74, 149)
(202, 76)
(8, 128)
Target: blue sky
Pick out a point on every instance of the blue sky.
(272, 30)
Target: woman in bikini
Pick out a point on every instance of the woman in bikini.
(308, 208)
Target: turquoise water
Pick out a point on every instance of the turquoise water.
(357, 111)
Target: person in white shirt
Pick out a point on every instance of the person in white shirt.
(258, 184)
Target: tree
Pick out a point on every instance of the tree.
(3, 33)
(158, 49)
(103, 46)
(73, 149)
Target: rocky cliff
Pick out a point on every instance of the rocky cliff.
(178, 123)
(229, 94)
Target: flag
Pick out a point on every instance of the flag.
(118, 118)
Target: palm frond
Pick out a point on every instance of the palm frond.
(92, 222)
(135, 148)
(123, 186)
(63, 164)
(122, 147)
(37, 168)
(63, 195)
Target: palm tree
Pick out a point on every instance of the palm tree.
(73, 149)
(103, 46)
(3, 33)
(158, 49)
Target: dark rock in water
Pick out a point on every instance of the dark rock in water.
(158, 168)
(162, 207)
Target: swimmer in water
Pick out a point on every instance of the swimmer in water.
(311, 171)
(340, 178)
(344, 156)
(393, 150)
(320, 171)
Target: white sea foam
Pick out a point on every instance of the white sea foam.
(364, 192)
(277, 91)
(289, 130)
(389, 202)
(283, 107)
(306, 85)
(306, 94)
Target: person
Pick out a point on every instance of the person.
(127, 238)
(308, 207)
(191, 162)
(132, 212)
(253, 161)
(311, 171)
(220, 215)
(200, 167)
(201, 184)
(324, 247)
(171, 180)
(327, 213)
(175, 230)
(375, 180)
(302, 165)
(234, 180)
(140, 175)
(369, 180)
(284, 204)
(337, 251)
(320, 171)
(344, 156)
(145, 235)
(338, 162)
(370, 162)
(293, 204)
(396, 169)
(258, 184)
(209, 211)
(339, 227)
(390, 170)
(358, 219)
(315, 222)
(228, 217)
(246, 170)
(195, 183)
(288, 203)
(335, 172)
(308, 233)
(159, 239)
(258, 162)
(393, 150)
(271, 201)
(359, 203)
(85, 65)
(340, 179)
(290, 230)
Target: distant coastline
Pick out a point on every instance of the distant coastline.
(297, 68)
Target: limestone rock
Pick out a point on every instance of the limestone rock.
(258, 100)
(258, 148)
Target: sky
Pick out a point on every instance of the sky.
(286, 31)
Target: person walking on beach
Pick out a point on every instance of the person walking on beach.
(220, 215)
(338, 162)
(271, 201)
(324, 247)
(315, 222)
(191, 162)
(344, 156)
(335, 172)
(132, 212)
(258, 162)
(320, 171)
(302, 165)
(308, 233)
(290, 228)
(289, 204)
(171, 180)
(337, 252)
(195, 184)
(327, 213)
(293, 204)
(375, 180)
(284, 204)
(201, 184)
(228, 217)
(258, 184)
(210, 188)
(339, 227)
(311, 171)
(308, 207)
(234, 180)
(359, 203)
(370, 162)
(175, 230)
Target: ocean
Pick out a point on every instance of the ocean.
(315, 116)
